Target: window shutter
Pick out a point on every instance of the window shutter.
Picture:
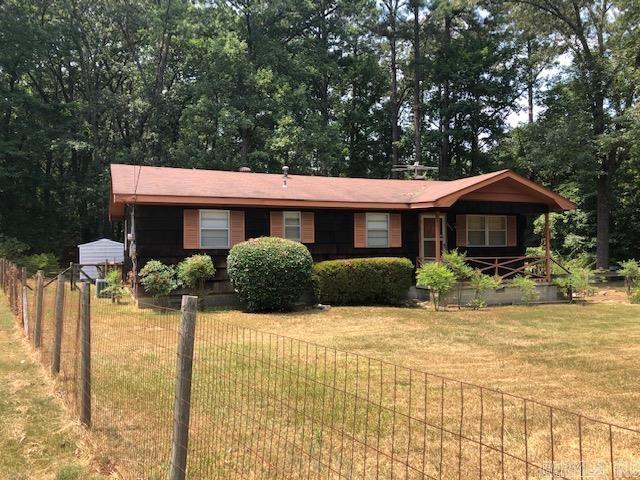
(236, 227)
(191, 229)
(461, 230)
(395, 230)
(359, 230)
(512, 231)
(307, 225)
(277, 224)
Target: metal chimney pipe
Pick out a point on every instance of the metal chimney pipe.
(285, 176)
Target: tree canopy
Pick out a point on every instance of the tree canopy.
(328, 87)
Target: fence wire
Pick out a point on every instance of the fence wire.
(133, 378)
(269, 406)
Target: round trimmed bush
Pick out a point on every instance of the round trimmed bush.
(269, 273)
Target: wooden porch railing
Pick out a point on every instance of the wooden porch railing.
(537, 267)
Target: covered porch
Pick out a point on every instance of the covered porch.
(493, 244)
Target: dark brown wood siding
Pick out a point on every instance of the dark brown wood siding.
(160, 235)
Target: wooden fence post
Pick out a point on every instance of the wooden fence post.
(72, 280)
(57, 339)
(37, 328)
(85, 354)
(25, 303)
(182, 401)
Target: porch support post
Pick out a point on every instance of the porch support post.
(547, 248)
(437, 234)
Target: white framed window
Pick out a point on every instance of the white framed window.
(486, 230)
(377, 230)
(292, 226)
(214, 228)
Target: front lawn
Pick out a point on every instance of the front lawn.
(311, 409)
(581, 357)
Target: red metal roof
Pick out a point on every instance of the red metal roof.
(163, 185)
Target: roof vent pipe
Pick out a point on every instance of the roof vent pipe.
(285, 176)
(245, 169)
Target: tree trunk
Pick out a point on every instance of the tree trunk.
(602, 221)
(445, 116)
(530, 81)
(417, 90)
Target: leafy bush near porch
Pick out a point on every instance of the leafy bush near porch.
(269, 273)
(158, 279)
(634, 295)
(528, 289)
(115, 286)
(363, 281)
(439, 279)
(480, 284)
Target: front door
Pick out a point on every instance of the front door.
(428, 235)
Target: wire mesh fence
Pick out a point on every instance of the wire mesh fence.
(262, 405)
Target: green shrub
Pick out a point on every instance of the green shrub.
(579, 282)
(528, 289)
(634, 296)
(438, 279)
(269, 273)
(46, 262)
(194, 271)
(630, 270)
(12, 249)
(480, 284)
(158, 279)
(363, 281)
(115, 286)
(457, 263)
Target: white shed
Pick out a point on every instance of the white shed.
(97, 252)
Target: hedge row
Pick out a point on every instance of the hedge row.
(363, 281)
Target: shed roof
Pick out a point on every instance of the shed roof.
(102, 241)
(179, 186)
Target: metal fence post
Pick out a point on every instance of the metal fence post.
(37, 328)
(182, 402)
(85, 354)
(57, 339)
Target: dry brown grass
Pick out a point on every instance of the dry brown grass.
(264, 407)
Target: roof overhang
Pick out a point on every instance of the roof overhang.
(505, 186)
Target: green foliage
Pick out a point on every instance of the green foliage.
(634, 296)
(579, 282)
(12, 248)
(439, 279)
(630, 270)
(480, 284)
(46, 262)
(363, 281)
(158, 279)
(457, 263)
(115, 286)
(194, 271)
(269, 274)
(528, 289)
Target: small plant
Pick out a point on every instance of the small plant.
(270, 274)
(634, 296)
(579, 281)
(630, 270)
(528, 289)
(115, 286)
(195, 271)
(158, 279)
(457, 263)
(439, 279)
(480, 284)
